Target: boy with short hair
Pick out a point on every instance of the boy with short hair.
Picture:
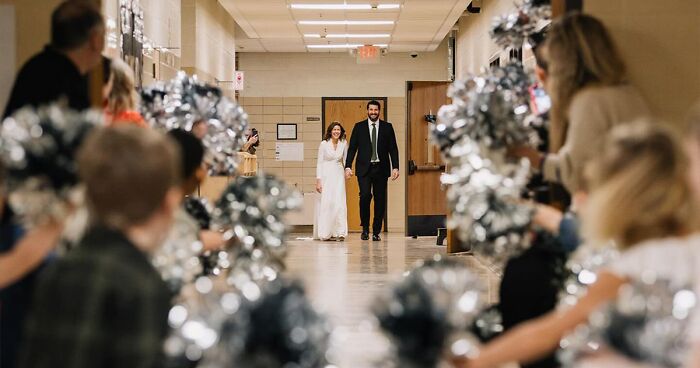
(103, 304)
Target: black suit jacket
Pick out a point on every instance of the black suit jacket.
(361, 145)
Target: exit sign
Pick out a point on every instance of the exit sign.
(368, 55)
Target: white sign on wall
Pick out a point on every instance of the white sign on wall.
(289, 151)
(238, 81)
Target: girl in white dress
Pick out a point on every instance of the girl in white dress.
(331, 217)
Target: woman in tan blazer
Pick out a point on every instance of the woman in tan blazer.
(587, 81)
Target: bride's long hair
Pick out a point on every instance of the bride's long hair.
(329, 131)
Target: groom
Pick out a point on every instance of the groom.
(374, 142)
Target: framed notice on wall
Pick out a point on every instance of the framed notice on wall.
(286, 132)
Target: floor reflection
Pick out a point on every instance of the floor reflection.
(343, 278)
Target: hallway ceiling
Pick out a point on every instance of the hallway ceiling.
(273, 26)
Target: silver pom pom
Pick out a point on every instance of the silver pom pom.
(511, 30)
(427, 312)
(183, 102)
(38, 149)
(253, 208)
(178, 258)
(648, 323)
(583, 267)
(487, 115)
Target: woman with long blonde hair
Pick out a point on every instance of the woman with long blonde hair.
(642, 200)
(587, 82)
(122, 100)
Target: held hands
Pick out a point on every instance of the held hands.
(319, 187)
(394, 174)
(348, 173)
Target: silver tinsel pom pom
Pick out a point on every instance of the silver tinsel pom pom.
(253, 208)
(38, 149)
(428, 311)
(196, 320)
(276, 326)
(184, 101)
(648, 323)
(487, 115)
(583, 267)
(490, 110)
(511, 30)
(178, 258)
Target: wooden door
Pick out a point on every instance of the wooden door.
(348, 111)
(425, 200)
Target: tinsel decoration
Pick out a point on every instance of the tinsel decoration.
(184, 101)
(178, 259)
(487, 324)
(253, 208)
(647, 323)
(490, 110)
(38, 150)
(275, 327)
(487, 115)
(198, 208)
(511, 30)
(582, 269)
(196, 320)
(213, 261)
(427, 313)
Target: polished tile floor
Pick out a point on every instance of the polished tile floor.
(343, 278)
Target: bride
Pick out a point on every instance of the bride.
(331, 215)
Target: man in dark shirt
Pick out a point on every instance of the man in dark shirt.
(104, 304)
(60, 70)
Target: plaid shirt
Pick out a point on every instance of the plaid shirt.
(103, 305)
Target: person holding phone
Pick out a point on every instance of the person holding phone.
(252, 142)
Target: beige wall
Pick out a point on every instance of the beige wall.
(474, 45)
(337, 74)
(33, 21)
(287, 87)
(659, 41)
(208, 45)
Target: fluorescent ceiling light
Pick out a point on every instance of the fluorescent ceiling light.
(342, 46)
(359, 35)
(346, 22)
(343, 6)
(349, 35)
(332, 6)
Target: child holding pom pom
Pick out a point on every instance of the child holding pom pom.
(640, 199)
(104, 304)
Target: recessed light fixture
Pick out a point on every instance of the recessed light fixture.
(349, 35)
(342, 46)
(346, 22)
(343, 6)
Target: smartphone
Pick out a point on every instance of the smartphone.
(539, 99)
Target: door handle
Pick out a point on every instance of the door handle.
(411, 167)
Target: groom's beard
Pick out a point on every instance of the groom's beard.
(373, 117)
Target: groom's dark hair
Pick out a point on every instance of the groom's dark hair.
(375, 103)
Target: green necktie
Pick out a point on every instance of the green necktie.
(374, 142)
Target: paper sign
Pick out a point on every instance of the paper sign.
(289, 151)
(239, 81)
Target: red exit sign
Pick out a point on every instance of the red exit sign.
(368, 55)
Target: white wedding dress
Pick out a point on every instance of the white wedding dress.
(331, 215)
